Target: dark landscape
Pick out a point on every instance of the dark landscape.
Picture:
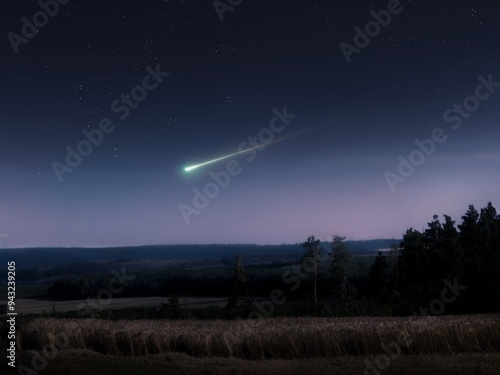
(247, 187)
(430, 297)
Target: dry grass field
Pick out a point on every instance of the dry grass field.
(441, 345)
(81, 362)
(282, 338)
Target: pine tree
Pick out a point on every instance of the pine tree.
(378, 278)
(340, 269)
(487, 265)
(470, 245)
(313, 248)
(412, 262)
(451, 250)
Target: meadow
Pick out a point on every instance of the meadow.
(465, 344)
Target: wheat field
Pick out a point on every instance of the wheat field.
(280, 338)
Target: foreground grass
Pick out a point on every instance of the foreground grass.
(280, 338)
(90, 363)
(465, 345)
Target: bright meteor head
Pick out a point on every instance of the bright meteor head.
(189, 169)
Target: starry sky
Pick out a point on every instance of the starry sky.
(216, 78)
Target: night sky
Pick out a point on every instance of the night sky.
(213, 83)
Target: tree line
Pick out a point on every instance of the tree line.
(329, 280)
(409, 275)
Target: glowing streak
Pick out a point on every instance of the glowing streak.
(193, 167)
(189, 169)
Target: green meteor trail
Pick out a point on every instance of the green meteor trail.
(193, 167)
(189, 169)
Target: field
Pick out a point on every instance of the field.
(37, 306)
(25, 291)
(440, 345)
(90, 363)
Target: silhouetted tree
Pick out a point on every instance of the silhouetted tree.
(470, 241)
(452, 250)
(488, 264)
(412, 262)
(340, 268)
(378, 278)
(310, 260)
(239, 284)
(471, 254)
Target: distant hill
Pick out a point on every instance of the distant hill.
(36, 257)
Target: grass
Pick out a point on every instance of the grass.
(280, 338)
(465, 345)
(89, 363)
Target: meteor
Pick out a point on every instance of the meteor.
(193, 167)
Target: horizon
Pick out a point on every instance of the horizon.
(347, 240)
(5, 244)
